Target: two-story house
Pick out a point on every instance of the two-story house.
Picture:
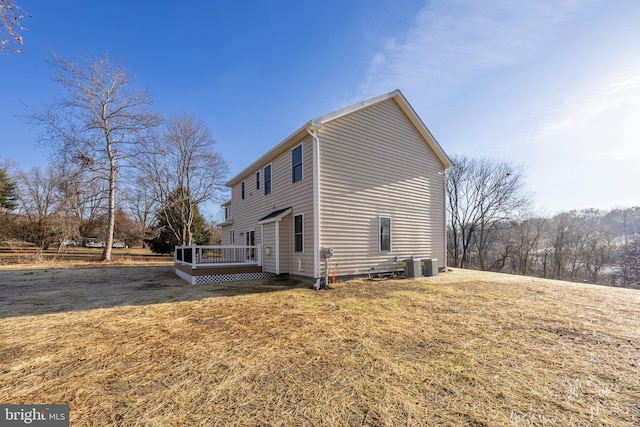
(367, 181)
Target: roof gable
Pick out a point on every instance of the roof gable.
(317, 123)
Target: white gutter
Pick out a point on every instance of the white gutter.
(312, 129)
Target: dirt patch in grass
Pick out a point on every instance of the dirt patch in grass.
(34, 290)
(463, 348)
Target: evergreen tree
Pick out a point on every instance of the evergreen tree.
(171, 224)
(7, 192)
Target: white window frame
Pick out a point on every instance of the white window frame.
(380, 235)
(301, 164)
(301, 233)
(270, 179)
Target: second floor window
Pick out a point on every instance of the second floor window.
(267, 179)
(258, 180)
(296, 163)
(242, 189)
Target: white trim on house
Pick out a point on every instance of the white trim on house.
(380, 218)
(264, 172)
(301, 251)
(301, 164)
(316, 199)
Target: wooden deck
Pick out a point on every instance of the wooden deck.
(215, 264)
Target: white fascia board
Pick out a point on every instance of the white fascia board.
(317, 123)
(424, 131)
(355, 107)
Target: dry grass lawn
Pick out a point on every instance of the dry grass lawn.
(138, 346)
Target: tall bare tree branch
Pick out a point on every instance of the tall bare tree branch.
(99, 123)
(11, 16)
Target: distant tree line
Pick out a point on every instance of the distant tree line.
(491, 226)
(120, 171)
(48, 208)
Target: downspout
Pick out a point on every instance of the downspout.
(277, 247)
(444, 189)
(313, 131)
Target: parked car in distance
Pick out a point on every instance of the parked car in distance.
(118, 245)
(92, 242)
(70, 243)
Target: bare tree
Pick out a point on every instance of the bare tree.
(140, 205)
(99, 122)
(560, 235)
(481, 193)
(83, 200)
(629, 254)
(184, 171)
(581, 245)
(39, 202)
(524, 238)
(11, 16)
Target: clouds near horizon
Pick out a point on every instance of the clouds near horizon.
(535, 83)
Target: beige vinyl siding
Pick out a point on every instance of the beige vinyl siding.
(374, 163)
(286, 245)
(269, 261)
(284, 194)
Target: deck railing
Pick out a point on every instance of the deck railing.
(212, 256)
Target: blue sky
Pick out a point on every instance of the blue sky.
(550, 85)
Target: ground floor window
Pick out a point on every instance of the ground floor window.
(385, 233)
(298, 235)
(250, 240)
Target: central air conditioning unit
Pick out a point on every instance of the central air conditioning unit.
(429, 267)
(412, 267)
